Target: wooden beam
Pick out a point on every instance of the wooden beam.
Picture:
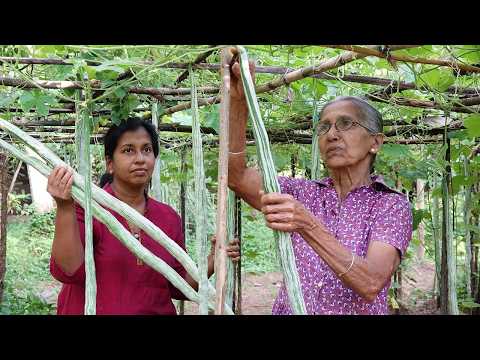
(367, 51)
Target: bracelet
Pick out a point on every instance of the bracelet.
(351, 264)
(236, 153)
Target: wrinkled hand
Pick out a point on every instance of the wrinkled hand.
(282, 212)
(236, 86)
(233, 249)
(60, 185)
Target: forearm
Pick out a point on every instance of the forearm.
(67, 248)
(245, 182)
(362, 277)
(211, 269)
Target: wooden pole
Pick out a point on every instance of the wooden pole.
(404, 58)
(3, 220)
(14, 179)
(220, 250)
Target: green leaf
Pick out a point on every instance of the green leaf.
(472, 123)
(212, 119)
(8, 100)
(438, 79)
(27, 101)
(395, 151)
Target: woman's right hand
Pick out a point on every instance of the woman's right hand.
(60, 185)
(236, 86)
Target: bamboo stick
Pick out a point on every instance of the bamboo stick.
(404, 58)
(222, 193)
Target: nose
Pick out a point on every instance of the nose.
(140, 158)
(332, 133)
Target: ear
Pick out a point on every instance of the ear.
(377, 142)
(109, 164)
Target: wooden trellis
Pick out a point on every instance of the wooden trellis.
(467, 101)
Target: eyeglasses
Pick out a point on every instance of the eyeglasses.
(342, 124)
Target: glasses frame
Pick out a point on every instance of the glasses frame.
(354, 123)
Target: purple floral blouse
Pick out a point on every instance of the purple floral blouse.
(368, 213)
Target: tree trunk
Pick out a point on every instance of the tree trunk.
(3, 220)
(420, 205)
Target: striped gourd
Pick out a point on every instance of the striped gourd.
(230, 280)
(200, 202)
(82, 139)
(316, 165)
(108, 200)
(270, 183)
(157, 191)
(116, 228)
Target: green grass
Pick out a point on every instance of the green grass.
(28, 254)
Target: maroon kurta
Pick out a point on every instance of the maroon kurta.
(123, 286)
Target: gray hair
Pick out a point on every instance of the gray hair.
(370, 116)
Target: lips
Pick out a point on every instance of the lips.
(139, 171)
(334, 149)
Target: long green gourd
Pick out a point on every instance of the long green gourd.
(117, 229)
(200, 203)
(316, 165)
(107, 200)
(270, 183)
(82, 138)
(156, 188)
(230, 280)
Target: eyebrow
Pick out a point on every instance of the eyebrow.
(131, 145)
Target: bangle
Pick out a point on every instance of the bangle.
(348, 269)
(236, 153)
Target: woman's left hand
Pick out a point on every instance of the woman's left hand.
(282, 212)
(233, 249)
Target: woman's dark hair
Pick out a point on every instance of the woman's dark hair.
(110, 141)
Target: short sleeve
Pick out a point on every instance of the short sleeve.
(393, 224)
(79, 276)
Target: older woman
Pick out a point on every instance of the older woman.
(349, 230)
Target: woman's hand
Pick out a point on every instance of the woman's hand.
(236, 86)
(60, 185)
(282, 212)
(233, 249)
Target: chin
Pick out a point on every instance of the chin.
(335, 163)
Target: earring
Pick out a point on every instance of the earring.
(111, 172)
(372, 150)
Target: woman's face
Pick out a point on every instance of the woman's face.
(346, 148)
(133, 159)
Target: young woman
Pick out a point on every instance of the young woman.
(125, 285)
